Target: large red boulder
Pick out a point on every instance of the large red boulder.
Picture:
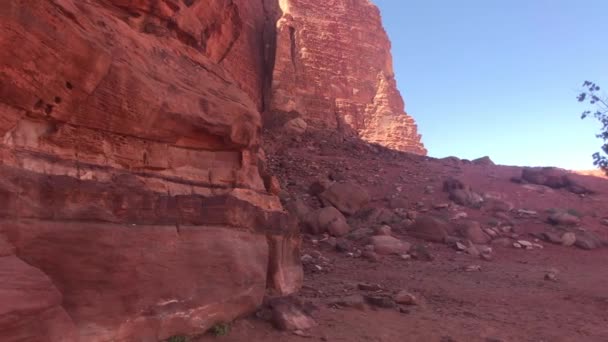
(349, 198)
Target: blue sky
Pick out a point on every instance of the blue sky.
(500, 77)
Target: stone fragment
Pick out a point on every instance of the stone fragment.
(371, 256)
(405, 298)
(369, 287)
(384, 230)
(384, 244)
(420, 252)
(472, 268)
(288, 314)
(380, 301)
(568, 239)
(352, 301)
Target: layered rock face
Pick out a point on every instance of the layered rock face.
(134, 204)
(334, 69)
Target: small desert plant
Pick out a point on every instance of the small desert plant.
(574, 212)
(178, 338)
(493, 222)
(221, 329)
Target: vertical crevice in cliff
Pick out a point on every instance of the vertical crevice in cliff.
(292, 42)
(272, 13)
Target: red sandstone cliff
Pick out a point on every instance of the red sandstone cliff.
(334, 68)
(135, 198)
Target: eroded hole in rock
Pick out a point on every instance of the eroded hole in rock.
(57, 99)
(69, 85)
(188, 2)
(39, 104)
(173, 6)
(183, 36)
(48, 109)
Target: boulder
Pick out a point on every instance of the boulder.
(471, 230)
(551, 237)
(466, 197)
(462, 194)
(327, 219)
(483, 161)
(295, 126)
(564, 218)
(554, 178)
(298, 208)
(549, 176)
(346, 197)
(430, 228)
(588, 241)
(384, 244)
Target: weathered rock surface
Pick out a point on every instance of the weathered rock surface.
(130, 172)
(311, 80)
(31, 305)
